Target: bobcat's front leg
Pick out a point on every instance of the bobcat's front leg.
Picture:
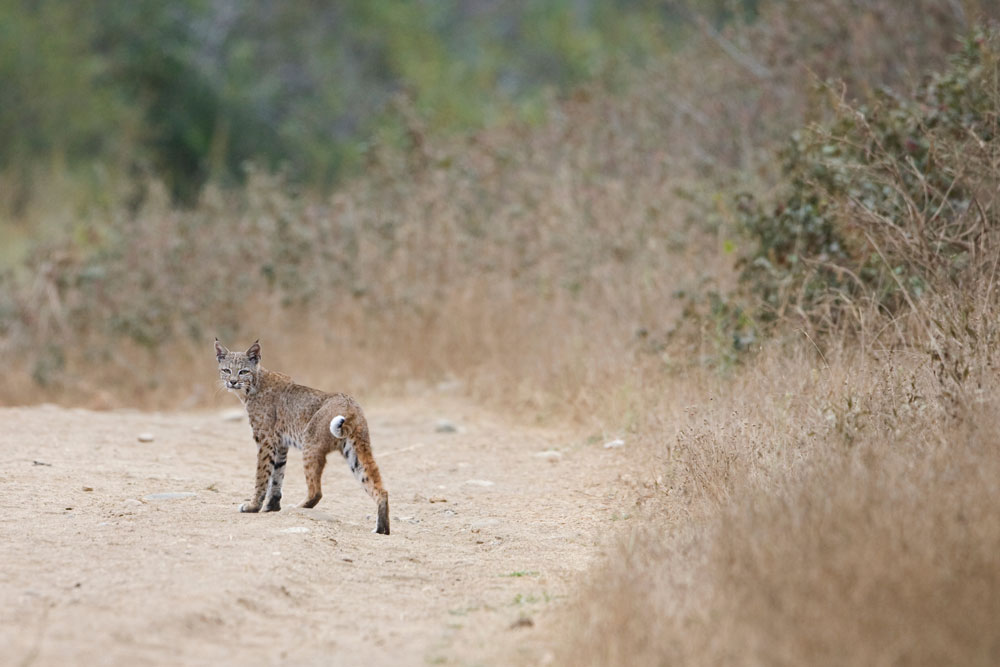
(265, 468)
(273, 500)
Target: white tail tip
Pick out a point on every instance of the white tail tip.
(335, 426)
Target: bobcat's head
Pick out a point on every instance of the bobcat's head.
(238, 372)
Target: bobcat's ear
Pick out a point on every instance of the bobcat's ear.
(220, 351)
(254, 352)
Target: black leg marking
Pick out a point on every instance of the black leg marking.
(277, 478)
(274, 504)
(382, 524)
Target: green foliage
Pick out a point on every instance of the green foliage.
(882, 202)
(52, 100)
(193, 90)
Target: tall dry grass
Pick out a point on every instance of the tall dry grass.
(813, 513)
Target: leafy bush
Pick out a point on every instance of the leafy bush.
(884, 202)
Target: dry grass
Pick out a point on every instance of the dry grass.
(811, 514)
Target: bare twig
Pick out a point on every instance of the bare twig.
(742, 58)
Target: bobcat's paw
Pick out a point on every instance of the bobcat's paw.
(248, 508)
(273, 505)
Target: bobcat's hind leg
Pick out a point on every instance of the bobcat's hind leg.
(313, 461)
(358, 452)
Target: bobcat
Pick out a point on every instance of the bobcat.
(284, 414)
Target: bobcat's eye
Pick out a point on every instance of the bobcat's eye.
(226, 371)
(244, 371)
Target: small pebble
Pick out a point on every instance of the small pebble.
(233, 415)
(145, 437)
(549, 455)
(479, 482)
(437, 500)
(449, 385)
(88, 488)
(175, 495)
(614, 444)
(445, 426)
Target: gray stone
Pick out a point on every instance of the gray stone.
(171, 495)
(234, 415)
(445, 426)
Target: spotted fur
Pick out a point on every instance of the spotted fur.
(284, 414)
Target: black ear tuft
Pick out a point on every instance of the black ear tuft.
(220, 351)
(254, 352)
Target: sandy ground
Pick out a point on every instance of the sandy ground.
(488, 538)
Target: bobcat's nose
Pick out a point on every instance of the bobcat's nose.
(233, 383)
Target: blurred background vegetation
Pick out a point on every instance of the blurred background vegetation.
(406, 165)
(410, 164)
(191, 90)
(116, 119)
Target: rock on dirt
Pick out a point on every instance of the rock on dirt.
(233, 415)
(445, 426)
(171, 495)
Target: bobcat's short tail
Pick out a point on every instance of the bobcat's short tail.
(336, 426)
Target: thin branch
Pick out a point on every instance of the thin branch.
(743, 59)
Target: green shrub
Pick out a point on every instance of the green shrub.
(882, 203)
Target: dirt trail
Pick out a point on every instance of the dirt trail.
(484, 532)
